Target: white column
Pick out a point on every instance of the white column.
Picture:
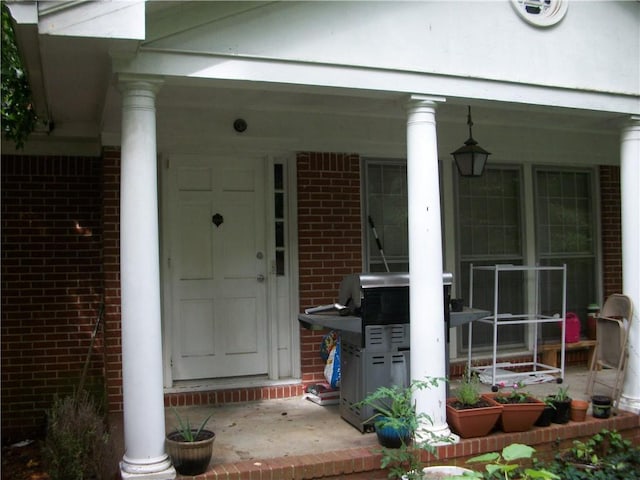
(143, 397)
(629, 182)
(425, 261)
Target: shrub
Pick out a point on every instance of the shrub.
(77, 445)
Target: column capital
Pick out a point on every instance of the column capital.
(417, 101)
(139, 82)
(631, 123)
(630, 131)
(426, 99)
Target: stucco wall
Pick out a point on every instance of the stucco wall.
(486, 40)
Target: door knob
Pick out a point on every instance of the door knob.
(260, 277)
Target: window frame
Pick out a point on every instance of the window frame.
(367, 243)
(594, 221)
(463, 276)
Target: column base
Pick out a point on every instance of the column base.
(169, 474)
(437, 435)
(629, 404)
(160, 470)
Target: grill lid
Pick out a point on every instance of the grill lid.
(352, 286)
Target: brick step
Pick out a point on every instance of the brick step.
(364, 463)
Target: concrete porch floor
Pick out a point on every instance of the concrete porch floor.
(249, 433)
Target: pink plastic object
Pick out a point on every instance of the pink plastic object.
(572, 331)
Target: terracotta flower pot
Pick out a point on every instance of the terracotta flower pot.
(474, 421)
(579, 410)
(520, 416)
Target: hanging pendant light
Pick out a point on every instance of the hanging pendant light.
(470, 158)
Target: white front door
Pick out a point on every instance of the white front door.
(217, 266)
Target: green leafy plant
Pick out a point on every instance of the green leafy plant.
(506, 465)
(562, 395)
(19, 118)
(468, 393)
(394, 408)
(189, 433)
(516, 396)
(77, 445)
(392, 404)
(597, 448)
(605, 456)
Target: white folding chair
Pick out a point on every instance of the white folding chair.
(611, 352)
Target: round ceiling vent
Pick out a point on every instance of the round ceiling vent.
(541, 13)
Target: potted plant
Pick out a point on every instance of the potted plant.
(190, 448)
(562, 403)
(544, 420)
(395, 414)
(520, 409)
(470, 414)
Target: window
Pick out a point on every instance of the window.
(492, 216)
(490, 230)
(490, 225)
(280, 225)
(566, 233)
(386, 207)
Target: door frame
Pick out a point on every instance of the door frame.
(272, 294)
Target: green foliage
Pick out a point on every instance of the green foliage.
(562, 395)
(18, 115)
(403, 462)
(394, 408)
(506, 465)
(77, 445)
(468, 392)
(516, 396)
(188, 433)
(605, 456)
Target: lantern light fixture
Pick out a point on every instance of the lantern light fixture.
(471, 158)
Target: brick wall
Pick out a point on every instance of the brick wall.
(51, 284)
(611, 230)
(54, 275)
(111, 234)
(329, 235)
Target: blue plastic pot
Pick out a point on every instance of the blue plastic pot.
(391, 436)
